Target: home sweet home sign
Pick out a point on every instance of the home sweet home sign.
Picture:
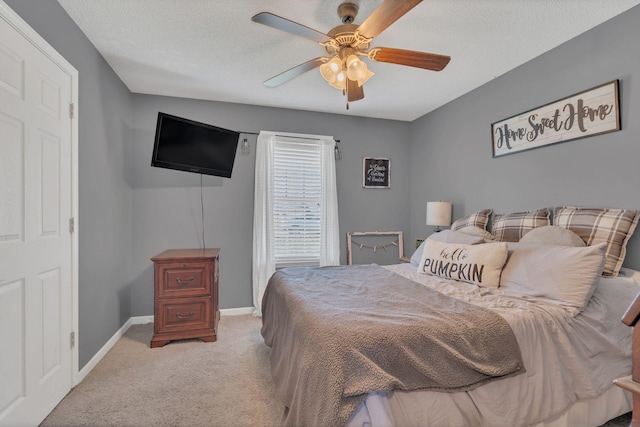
(587, 113)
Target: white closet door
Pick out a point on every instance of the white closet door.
(35, 241)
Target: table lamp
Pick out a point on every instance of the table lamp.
(439, 214)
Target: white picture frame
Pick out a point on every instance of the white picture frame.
(588, 113)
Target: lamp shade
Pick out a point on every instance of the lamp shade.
(439, 213)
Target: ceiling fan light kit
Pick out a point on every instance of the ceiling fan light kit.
(357, 70)
(347, 43)
(343, 66)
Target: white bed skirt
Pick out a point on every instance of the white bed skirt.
(594, 412)
(377, 409)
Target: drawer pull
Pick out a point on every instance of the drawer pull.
(184, 282)
(179, 316)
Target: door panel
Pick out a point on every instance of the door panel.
(50, 185)
(11, 72)
(12, 367)
(12, 184)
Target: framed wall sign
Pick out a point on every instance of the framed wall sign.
(376, 172)
(592, 112)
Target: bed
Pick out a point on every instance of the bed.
(343, 339)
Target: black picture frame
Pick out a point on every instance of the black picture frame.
(376, 172)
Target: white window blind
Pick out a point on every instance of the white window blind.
(297, 198)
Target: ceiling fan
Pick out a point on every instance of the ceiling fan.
(347, 43)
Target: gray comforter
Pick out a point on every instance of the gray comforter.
(339, 333)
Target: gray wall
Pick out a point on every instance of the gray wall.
(166, 203)
(130, 211)
(451, 147)
(105, 222)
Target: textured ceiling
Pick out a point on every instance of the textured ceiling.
(210, 49)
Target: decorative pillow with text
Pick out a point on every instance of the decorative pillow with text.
(478, 264)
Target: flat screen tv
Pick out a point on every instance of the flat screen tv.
(190, 146)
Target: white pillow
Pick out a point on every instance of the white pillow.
(478, 264)
(565, 275)
(417, 254)
(452, 236)
(553, 235)
(630, 274)
(446, 236)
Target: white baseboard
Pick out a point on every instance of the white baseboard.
(103, 351)
(236, 311)
(140, 320)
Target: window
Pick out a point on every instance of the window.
(295, 219)
(297, 197)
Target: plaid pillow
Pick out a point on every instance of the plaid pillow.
(478, 219)
(593, 225)
(512, 226)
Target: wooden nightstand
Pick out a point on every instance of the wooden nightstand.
(186, 295)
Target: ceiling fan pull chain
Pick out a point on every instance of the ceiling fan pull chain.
(345, 92)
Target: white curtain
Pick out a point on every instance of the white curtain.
(330, 233)
(263, 256)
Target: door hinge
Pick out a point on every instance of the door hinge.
(72, 225)
(71, 108)
(73, 339)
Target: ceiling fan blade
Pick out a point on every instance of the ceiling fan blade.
(295, 72)
(354, 92)
(428, 61)
(280, 23)
(386, 14)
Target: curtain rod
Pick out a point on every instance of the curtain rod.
(284, 136)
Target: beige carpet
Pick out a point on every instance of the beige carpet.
(185, 383)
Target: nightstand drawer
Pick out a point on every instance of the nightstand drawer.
(185, 279)
(176, 314)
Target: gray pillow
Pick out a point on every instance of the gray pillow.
(553, 235)
(476, 219)
(595, 225)
(477, 231)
